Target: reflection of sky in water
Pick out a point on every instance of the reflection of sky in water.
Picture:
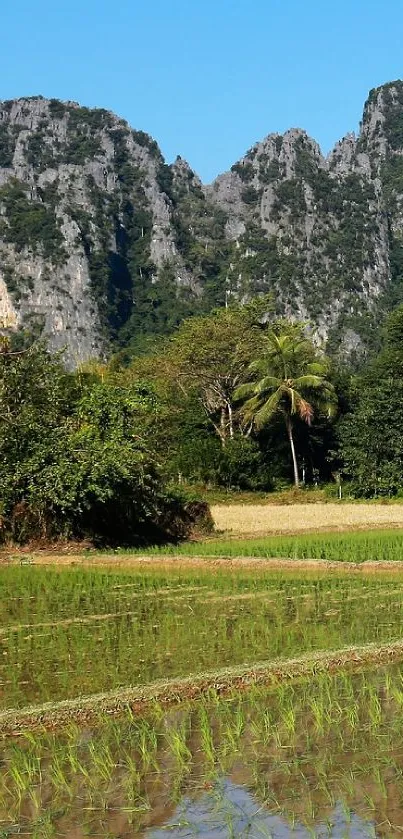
(230, 811)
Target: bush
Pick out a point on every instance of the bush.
(74, 463)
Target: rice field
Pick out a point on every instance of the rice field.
(317, 757)
(203, 700)
(267, 519)
(347, 547)
(82, 631)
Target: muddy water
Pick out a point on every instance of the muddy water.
(317, 757)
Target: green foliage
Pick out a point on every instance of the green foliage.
(121, 279)
(392, 179)
(289, 195)
(392, 95)
(82, 138)
(95, 119)
(199, 229)
(351, 241)
(371, 435)
(165, 179)
(260, 264)
(209, 355)
(30, 331)
(196, 456)
(306, 165)
(269, 170)
(357, 547)
(57, 109)
(73, 458)
(240, 465)
(144, 140)
(159, 308)
(133, 299)
(7, 145)
(39, 152)
(288, 377)
(250, 195)
(245, 171)
(81, 147)
(30, 223)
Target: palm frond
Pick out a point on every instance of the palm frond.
(270, 407)
(318, 368)
(305, 411)
(308, 381)
(250, 408)
(258, 366)
(294, 397)
(245, 391)
(268, 383)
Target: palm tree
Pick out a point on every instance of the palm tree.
(290, 378)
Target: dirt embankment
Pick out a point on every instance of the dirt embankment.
(179, 561)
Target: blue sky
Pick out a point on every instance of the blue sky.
(207, 78)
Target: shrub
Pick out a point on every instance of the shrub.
(74, 463)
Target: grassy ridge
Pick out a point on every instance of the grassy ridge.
(362, 546)
(140, 699)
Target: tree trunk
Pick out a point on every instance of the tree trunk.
(230, 420)
(294, 457)
(223, 430)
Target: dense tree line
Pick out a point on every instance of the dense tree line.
(233, 399)
(250, 402)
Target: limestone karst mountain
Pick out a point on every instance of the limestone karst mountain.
(102, 243)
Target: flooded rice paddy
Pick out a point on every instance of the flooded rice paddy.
(312, 756)
(65, 634)
(317, 757)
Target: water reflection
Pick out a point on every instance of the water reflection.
(229, 810)
(315, 757)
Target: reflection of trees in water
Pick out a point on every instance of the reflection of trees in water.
(309, 752)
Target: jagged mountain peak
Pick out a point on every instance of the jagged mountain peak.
(184, 175)
(101, 241)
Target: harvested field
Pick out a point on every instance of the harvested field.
(269, 519)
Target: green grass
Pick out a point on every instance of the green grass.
(361, 546)
(290, 495)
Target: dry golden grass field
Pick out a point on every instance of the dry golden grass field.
(248, 519)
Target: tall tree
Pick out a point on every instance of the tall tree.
(290, 377)
(75, 459)
(371, 434)
(209, 355)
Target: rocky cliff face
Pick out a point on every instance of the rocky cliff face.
(84, 224)
(101, 242)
